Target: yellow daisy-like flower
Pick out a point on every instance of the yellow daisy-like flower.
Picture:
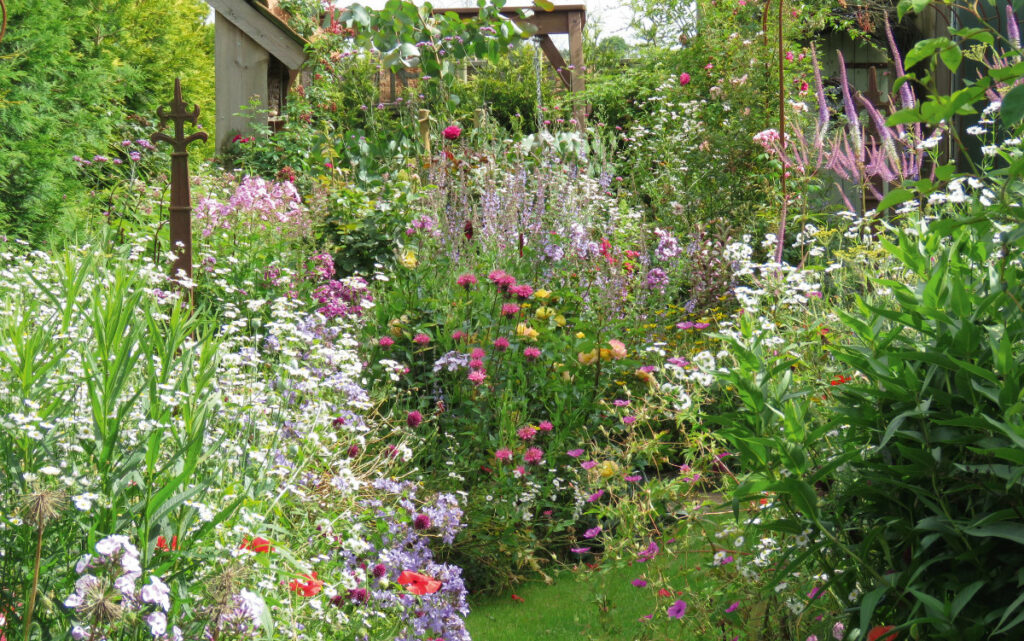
(541, 294)
(409, 259)
(580, 335)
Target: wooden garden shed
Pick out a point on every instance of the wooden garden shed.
(256, 54)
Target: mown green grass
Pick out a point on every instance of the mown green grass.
(581, 603)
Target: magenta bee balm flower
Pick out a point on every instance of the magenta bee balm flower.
(452, 132)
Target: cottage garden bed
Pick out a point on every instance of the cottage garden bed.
(518, 363)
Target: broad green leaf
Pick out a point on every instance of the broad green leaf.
(895, 197)
(1013, 106)
(951, 57)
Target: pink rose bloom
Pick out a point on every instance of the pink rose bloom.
(452, 132)
(684, 79)
(533, 455)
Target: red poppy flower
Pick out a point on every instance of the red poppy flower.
(879, 633)
(419, 584)
(259, 545)
(161, 543)
(310, 587)
(840, 380)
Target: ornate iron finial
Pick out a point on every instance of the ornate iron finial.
(181, 198)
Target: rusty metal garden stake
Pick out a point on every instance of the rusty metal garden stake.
(181, 198)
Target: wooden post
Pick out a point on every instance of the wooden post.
(424, 121)
(578, 64)
(181, 197)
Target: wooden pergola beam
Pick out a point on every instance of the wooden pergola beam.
(554, 56)
(547, 22)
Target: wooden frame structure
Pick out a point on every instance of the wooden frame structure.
(563, 19)
(256, 54)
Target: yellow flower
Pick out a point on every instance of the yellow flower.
(522, 329)
(541, 294)
(409, 259)
(545, 313)
(580, 335)
(560, 320)
(589, 358)
(608, 469)
(618, 349)
(606, 354)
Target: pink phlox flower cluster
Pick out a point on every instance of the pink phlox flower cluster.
(257, 204)
(343, 297)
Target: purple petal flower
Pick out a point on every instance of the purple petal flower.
(592, 532)
(575, 453)
(579, 550)
(732, 608)
(677, 609)
(640, 583)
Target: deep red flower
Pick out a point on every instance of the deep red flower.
(880, 633)
(161, 543)
(516, 597)
(418, 584)
(310, 587)
(452, 132)
(259, 545)
(840, 380)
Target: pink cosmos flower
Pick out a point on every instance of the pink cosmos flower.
(588, 465)
(503, 454)
(527, 432)
(531, 353)
(633, 478)
(421, 339)
(595, 496)
(629, 420)
(575, 453)
(619, 402)
(452, 132)
(592, 532)
(501, 343)
(533, 455)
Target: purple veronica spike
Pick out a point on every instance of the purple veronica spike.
(851, 112)
(820, 94)
(906, 95)
(1012, 28)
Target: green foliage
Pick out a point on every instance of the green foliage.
(72, 73)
